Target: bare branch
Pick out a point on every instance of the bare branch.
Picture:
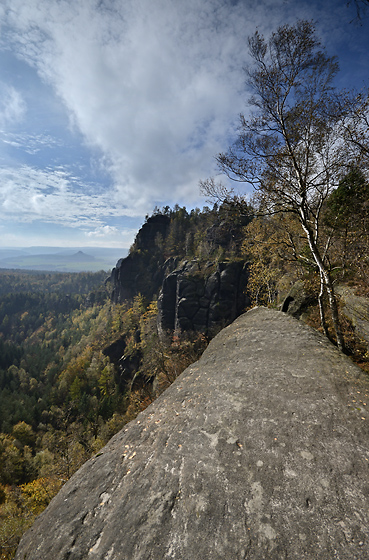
(215, 191)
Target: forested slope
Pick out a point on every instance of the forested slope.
(51, 402)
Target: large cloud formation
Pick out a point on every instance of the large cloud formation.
(156, 86)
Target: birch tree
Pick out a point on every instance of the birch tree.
(290, 148)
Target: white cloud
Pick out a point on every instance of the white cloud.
(111, 236)
(156, 86)
(56, 197)
(103, 231)
(12, 105)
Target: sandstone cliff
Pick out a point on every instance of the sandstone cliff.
(130, 275)
(202, 299)
(258, 451)
(195, 292)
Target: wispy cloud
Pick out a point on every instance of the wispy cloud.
(29, 143)
(52, 196)
(12, 105)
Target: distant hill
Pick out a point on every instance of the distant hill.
(59, 259)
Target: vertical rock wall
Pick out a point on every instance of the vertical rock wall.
(202, 300)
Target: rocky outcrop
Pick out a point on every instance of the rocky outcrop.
(192, 297)
(258, 451)
(140, 272)
(146, 237)
(298, 300)
(207, 299)
(356, 309)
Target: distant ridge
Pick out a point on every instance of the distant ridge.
(59, 259)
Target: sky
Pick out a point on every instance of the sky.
(109, 108)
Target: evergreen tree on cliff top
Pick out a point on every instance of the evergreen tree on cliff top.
(291, 148)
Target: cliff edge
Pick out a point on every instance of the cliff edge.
(259, 450)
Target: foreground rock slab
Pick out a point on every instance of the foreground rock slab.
(258, 451)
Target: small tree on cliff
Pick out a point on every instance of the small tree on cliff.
(290, 148)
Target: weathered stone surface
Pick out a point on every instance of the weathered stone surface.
(258, 451)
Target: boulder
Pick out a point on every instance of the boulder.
(298, 300)
(260, 450)
(356, 309)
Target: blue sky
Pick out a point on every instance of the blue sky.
(110, 107)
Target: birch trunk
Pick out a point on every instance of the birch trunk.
(321, 307)
(326, 278)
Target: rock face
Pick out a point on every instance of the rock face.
(195, 300)
(192, 297)
(257, 451)
(126, 367)
(129, 277)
